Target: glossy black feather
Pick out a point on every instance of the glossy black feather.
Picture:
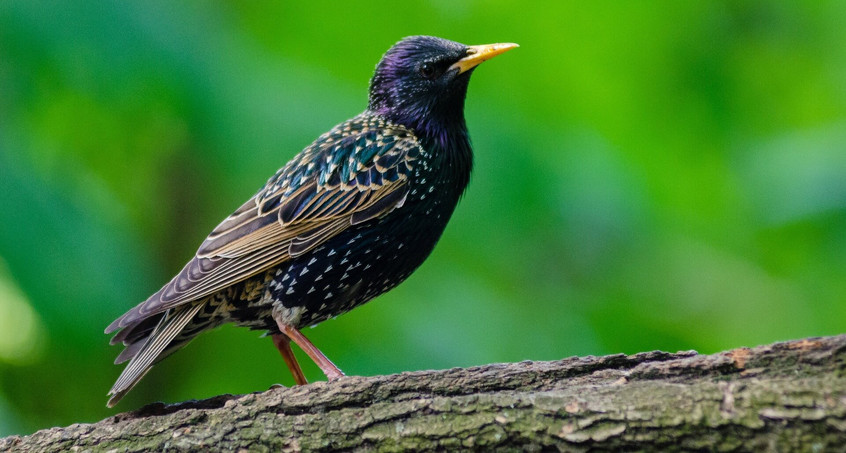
(348, 218)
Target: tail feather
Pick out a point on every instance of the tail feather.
(139, 330)
(130, 351)
(170, 325)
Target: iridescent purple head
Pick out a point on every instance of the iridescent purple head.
(415, 84)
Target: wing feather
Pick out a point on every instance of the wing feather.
(317, 195)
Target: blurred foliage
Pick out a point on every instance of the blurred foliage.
(649, 176)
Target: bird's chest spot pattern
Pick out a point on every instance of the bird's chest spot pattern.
(361, 263)
(341, 274)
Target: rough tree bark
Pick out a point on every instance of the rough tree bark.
(781, 397)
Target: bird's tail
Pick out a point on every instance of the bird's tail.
(145, 353)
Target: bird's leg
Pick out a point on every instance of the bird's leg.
(283, 344)
(329, 369)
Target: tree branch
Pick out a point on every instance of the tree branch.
(780, 397)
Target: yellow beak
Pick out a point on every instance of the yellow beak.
(478, 54)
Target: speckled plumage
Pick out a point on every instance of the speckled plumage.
(348, 218)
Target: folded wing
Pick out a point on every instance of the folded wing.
(352, 174)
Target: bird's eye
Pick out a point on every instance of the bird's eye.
(427, 70)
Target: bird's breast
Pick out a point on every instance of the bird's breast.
(365, 260)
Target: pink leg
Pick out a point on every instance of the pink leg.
(329, 369)
(283, 344)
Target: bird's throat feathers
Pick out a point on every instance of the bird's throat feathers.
(455, 155)
(433, 117)
(437, 121)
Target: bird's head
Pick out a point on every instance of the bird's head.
(421, 82)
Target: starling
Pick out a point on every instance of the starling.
(347, 219)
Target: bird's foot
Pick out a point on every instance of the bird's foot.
(334, 373)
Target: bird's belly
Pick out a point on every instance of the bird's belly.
(353, 267)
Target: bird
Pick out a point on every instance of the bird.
(347, 219)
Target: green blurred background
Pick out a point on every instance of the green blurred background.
(648, 176)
